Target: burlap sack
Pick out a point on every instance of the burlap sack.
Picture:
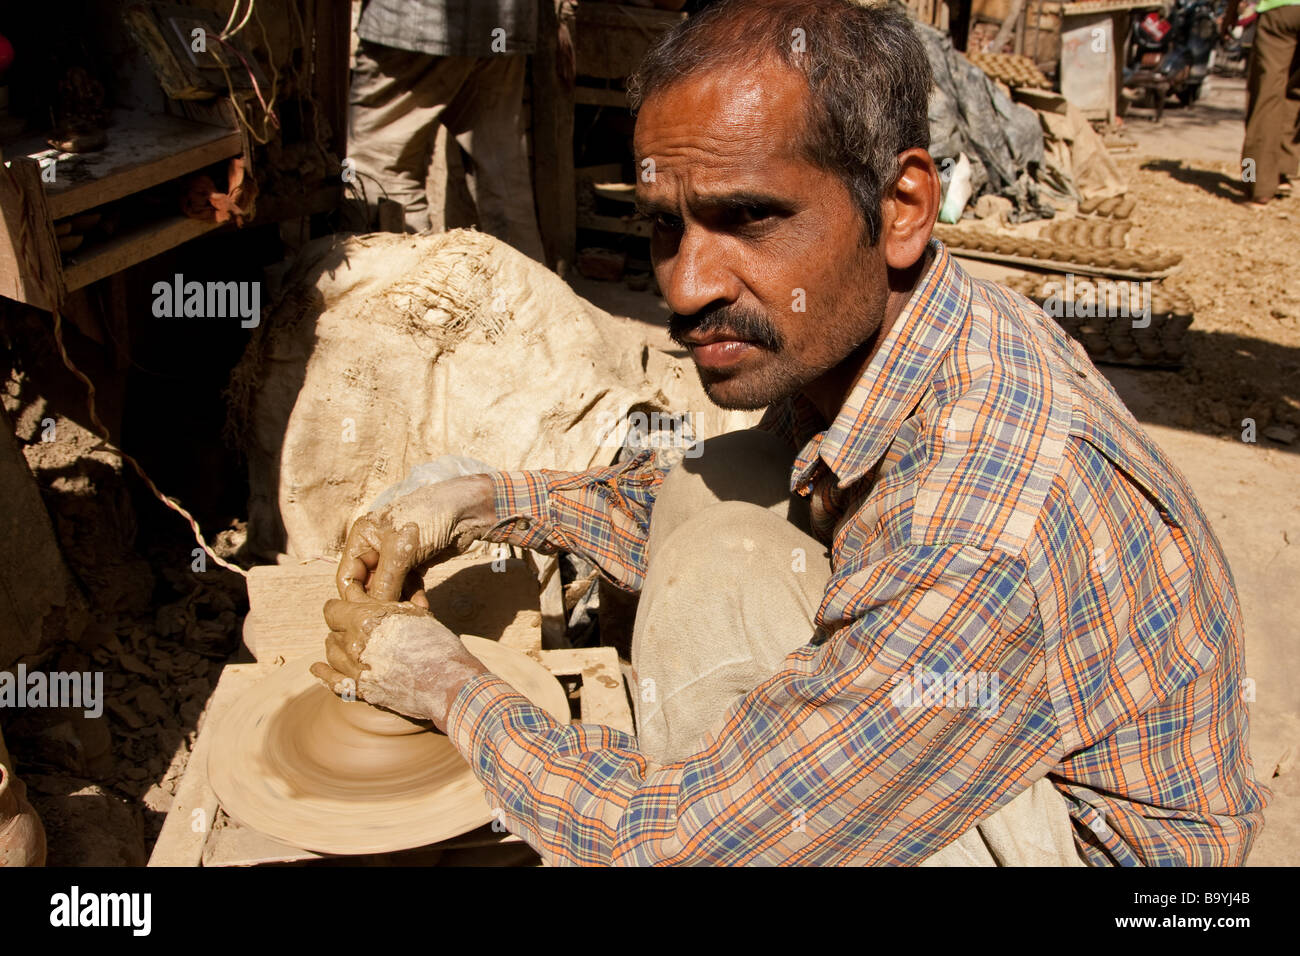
(1073, 149)
(390, 350)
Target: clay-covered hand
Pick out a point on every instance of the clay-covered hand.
(415, 530)
(396, 656)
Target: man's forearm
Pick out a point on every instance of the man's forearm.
(602, 514)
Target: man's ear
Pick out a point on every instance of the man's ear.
(910, 209)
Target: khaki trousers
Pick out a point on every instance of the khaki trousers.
(722, 606)
(412, 116)
(1273, 118)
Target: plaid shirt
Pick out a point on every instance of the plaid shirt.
(997, 520)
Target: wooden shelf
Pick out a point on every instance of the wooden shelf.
(128, 248)
(143, 149)
(627, 227)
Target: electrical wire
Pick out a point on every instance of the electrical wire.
(33, 271)
(227, 33)
(234, 12)
(268, 109)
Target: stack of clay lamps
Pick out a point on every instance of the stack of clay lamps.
(1013, 69)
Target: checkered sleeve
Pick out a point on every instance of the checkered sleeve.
(602, 515)
(880, 745)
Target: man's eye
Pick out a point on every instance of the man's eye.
(666, 222)
(753, 214)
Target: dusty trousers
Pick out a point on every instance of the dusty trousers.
(733, 584)
(1273, 116)
(411, 119)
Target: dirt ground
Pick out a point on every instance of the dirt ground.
(1243, 361)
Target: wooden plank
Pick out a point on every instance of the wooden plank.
(1054, 265)
(552, 139)
(144, 149)
(136, 245)
(465, 593)
(627, 227)
(236, 845)
(30, 264)
(332, 33)
(603, 698)
(185, 832)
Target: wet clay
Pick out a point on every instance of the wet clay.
(296, 763)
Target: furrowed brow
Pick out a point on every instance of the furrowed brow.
(740, 200)
(654, 207)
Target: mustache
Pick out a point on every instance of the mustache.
(741, 323)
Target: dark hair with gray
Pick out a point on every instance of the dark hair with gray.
(867, 73)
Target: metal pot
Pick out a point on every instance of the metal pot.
(22, 838)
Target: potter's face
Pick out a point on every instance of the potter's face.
(760, 254)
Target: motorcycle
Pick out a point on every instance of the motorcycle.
(1174, 54)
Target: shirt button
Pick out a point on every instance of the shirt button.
(523, 524)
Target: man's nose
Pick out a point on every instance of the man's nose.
(698, 275)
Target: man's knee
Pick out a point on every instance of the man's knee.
(735, 545)
(747, 466)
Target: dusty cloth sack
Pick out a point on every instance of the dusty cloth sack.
(1074, 151)
(388, 351)
(969, 114)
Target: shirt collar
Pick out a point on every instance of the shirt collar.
(894, 380)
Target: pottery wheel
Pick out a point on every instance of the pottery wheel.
(295, 762)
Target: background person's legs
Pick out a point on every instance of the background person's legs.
(396, 101)
(733, 586)
(1270, 116)
(487, 120)
(1291, 127)
(450, 204)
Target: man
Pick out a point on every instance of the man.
(1272, 144)
(948, 605)
(436, 112)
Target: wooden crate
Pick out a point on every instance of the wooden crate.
(611, 38)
